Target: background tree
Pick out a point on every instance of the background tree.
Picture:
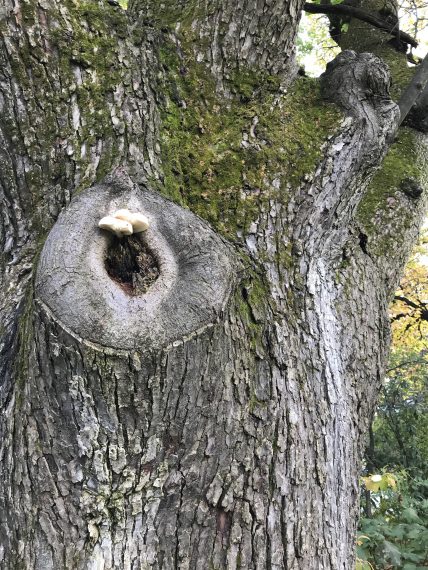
(394, 526)
(399, 431)
(218, 419)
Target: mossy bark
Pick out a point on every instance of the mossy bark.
(216, 420)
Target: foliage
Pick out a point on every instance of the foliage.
(409, 312)
(396, 536)
(400, 428)
(315, 48)
(393, 532)
(377, 482)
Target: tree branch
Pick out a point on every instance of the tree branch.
(407, 301)
(415, 91)
(407, 363)
(360, 14)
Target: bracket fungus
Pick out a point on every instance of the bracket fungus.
(79, 279)
(116, 226)
(138, 221)
(124, 223)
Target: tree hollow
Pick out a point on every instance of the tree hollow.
(131, 263)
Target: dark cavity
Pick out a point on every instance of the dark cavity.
(131, 264)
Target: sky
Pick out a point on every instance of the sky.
(315, 48)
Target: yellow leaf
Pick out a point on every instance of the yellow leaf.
(391, 480)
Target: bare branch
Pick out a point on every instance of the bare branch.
(360, 15)
(413, 362)
(414, 90)
(407, 301)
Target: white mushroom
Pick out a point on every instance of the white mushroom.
(116, 225)
(123, 214)
(139, 222)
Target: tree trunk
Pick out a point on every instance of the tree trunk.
(216, 419)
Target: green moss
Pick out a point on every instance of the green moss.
(167, 14)
(248, 84)
(90, 44)
(28, 12)
(401, 73)
(224, 157)
(401, 163)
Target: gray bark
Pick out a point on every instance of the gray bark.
(233, 35)
(216, 421)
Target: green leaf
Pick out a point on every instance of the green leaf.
(392, 554)
(415, 531)
(410, 515)
(413, 557)
(397, 531)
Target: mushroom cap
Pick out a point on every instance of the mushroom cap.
(139, 222)
(123, 214)
(115, 225)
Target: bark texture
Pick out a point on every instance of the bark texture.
(229, 36)
(217, 420)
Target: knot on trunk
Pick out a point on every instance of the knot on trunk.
(136, 292)
(359, 83)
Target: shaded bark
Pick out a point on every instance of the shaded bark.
(218, 419)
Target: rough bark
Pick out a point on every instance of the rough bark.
(233, 35)
(216, 421)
